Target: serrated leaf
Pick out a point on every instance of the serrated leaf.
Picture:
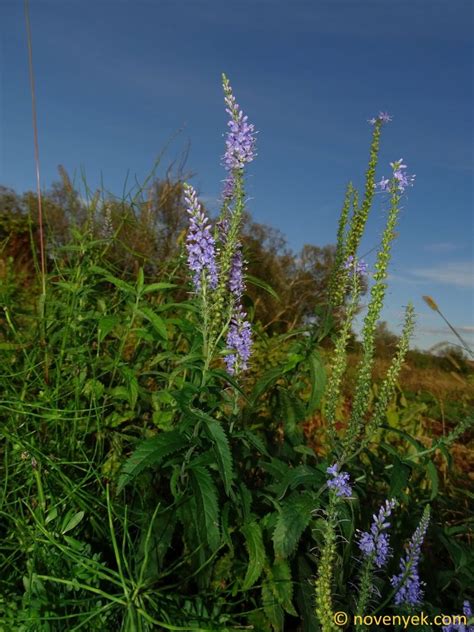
(271, 607)
(299, 475)
(256, 551)
(222, 452)
(205, 494)
(245, 501)
(150, 452)
(255, 441)
(282, 585)
(293, 518)
(132, 385)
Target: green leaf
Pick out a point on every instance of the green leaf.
(121, 285)
(150, 452)
(264, 382)
(10, 346)
(120, 392)
(157, 546)
(222, 451)
(140, 280)
(283, 585)
(155, 287)
(271, 607)
(132, 385)
(305, 596)
(304, 449)
(262, 284)
(293, 518)
(205, 494)
(254, 440)
(245, 501)
(52, 515)
(106, 324)
(292, 412)
(414, 442)
(399, 478)
(433, 476)
(72, 521)
(157, 322)
(318, 380)
(256, 550)
(93, 387)
(299, 475)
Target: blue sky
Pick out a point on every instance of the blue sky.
(116, 80)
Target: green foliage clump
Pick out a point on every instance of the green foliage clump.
(145, 488)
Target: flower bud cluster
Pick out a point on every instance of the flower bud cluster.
(240, 142)
(375, 543)
(356, 266)
(400, 180)
(200, 243)
(215, 255)
(339, 483)
(383, 117)
(408, 583)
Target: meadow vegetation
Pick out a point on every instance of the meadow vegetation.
(192, 437)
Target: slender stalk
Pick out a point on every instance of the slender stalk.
(36, 146)
(323, 586)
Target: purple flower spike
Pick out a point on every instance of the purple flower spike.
(239, 338)
(383, 117)
(460, 627)
(384, 184)
(200, 243)
(375, 543)
(408, 582)
(240, 141)
(401, 180)
(340, 482)
(359, 267)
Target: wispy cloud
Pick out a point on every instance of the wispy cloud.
(458, 273)
(441, 247)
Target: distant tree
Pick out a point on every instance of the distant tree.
(149, 231)
(299, 280)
